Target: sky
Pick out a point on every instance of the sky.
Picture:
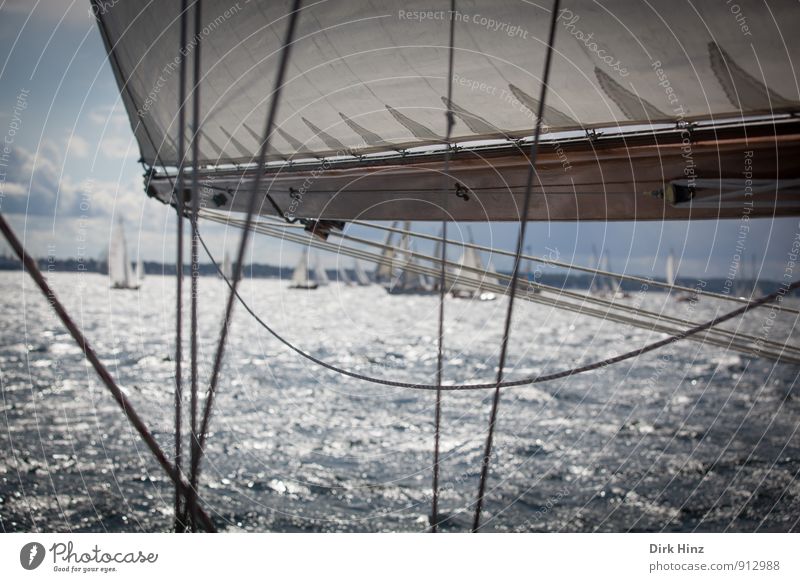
(73, 172)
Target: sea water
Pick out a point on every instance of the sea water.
(691, 437)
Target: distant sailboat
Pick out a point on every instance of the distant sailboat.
(598, 286)
(671, 268)
(615, 290)
(471, 259)
(120, 271)
(672, 276)
(320, 274)
(361, 276)
(343, 277)
(405, 281)
(301, 278)
(140, 269)
(227, 269)
(384, 271)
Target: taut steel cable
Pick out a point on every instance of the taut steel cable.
(442, 275)
(507, 383)
(237, 268)
(513, 292)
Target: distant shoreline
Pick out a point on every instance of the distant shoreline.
(263, 271)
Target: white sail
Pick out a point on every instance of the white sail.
(470, 259)
(405, 280)
(614, 286)
(671, 268)
(361, 275)
(300, 274)
(385, 270)
(227, 270)
(120, 271)
(343, 277)
(700, 45)
(320, 276)
(139, 269)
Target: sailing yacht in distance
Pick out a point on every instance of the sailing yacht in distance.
(139, 270)
(362, 279)
(471, 259)
(301, 278)
(614, 287)
(343, 277)
(227, 267)
(405, 281)
(120, 271)
(672, 276)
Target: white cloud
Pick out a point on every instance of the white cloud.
(116, 141)
(36, 185)
(119, 148)
(77, 146)
(73, 13)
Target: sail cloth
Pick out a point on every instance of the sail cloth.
(367, 76)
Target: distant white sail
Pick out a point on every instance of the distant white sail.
(300, 278)
(671, 268)
(120, 271)
(361, 275)
(344, 277)
(470, 259)
(227, 270)
(385, 270)
(597, 281)
(471, 272)
(320, 276)
(139, 269)
(405, 280)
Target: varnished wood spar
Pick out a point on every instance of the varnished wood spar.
(605, 179)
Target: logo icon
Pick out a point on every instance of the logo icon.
(31, 555)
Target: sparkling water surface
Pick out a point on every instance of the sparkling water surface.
(692, 437)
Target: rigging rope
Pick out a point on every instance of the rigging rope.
(133, 417)
(186, 490)
(485, 283)
(180, 523)
(513, 292)
(718, 336)
(251, 208)
(442, 279)
(506, 383)
(556, 263)
(543, 260)
(195, 252)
